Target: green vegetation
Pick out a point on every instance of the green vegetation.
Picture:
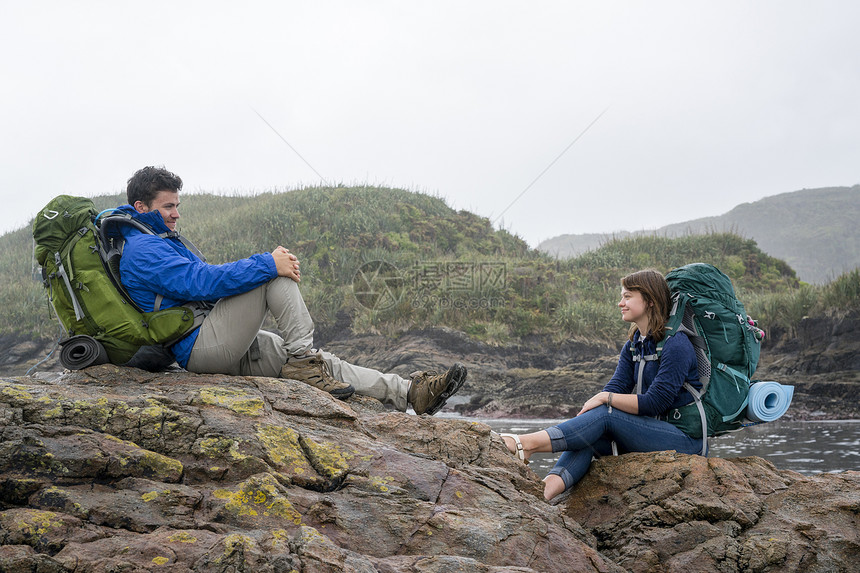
(784, 310)
(447, 267)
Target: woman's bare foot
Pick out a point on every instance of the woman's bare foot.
(553, 485)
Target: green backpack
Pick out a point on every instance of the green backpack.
(727, 344)
(80, 269)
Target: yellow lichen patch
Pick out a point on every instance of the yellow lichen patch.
(233, 399)
(153, 414)
(219, 447)
(233, 543)
(182, 537)
(149, 496)
(57, 498)
(309, 534)
(36, 522)
(161, 466)
(279, 536)
(160, 560)
(283, 450)
(259, 496)
(55, 412)
(17, 392)
(326, 458)
(381, 483)
(235, 540)
(96, 412)
(152, 463)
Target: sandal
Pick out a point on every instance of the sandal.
(520, 453)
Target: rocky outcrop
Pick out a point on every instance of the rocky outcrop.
(666, 512)
(114, 469)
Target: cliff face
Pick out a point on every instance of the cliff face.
(112, 469)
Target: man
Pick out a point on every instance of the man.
(160, 271)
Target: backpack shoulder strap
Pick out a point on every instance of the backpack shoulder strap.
(112, 243)
(188, 244)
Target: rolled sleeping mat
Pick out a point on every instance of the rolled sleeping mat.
(81, 351)
(768, 401)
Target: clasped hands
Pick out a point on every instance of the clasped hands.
(287, 264)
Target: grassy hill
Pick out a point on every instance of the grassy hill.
(814, 230)
(388, 260)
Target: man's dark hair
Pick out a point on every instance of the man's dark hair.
(145, 184)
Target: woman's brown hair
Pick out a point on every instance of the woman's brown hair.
(658, 300)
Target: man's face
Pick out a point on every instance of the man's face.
(166, 203)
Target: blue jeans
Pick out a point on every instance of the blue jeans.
(592, 434)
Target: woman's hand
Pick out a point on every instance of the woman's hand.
(597, 400)
(287, 264)
(625, 402)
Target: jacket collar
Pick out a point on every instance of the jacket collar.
(152, 219)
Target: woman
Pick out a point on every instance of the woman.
(631, 420)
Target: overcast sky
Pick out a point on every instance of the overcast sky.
(682, 109)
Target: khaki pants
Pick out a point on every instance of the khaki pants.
(223, 343)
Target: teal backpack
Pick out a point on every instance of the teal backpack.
(80, 270)
(727, 344)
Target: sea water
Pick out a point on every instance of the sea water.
(808, 448)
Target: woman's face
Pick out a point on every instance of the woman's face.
(632, 305)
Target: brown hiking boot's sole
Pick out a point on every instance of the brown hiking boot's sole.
(430, 391)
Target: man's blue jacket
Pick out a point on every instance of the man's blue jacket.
(151, 265)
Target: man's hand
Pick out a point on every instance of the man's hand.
(287, 264)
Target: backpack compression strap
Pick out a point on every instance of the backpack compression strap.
(64, 274)
(697, 398)
(61, 271)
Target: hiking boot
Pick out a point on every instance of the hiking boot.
(429, 391)
(313, 370)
